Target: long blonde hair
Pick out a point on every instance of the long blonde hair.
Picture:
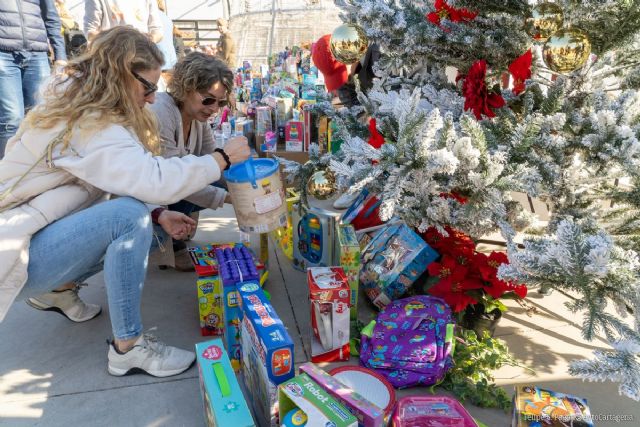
(95, 88)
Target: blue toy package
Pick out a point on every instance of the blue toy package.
(267, 352)
(392, 261)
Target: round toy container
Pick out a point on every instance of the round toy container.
(257, 194)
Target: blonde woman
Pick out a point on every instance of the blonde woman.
(90, 136)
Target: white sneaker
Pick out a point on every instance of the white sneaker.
(150, 356)
(67, 303)
(345, 200)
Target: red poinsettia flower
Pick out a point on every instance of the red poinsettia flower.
(444, 11)
(375, 139)
(520, 69)
(445, 268)
(453, 290)
(476, 94)
(454, 195)
(488, 265)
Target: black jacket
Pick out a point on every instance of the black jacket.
(30, 25)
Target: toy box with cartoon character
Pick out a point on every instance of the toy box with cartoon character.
(313, 237)
(294, 135)
(320, 408)
(206, 264)
(368, 414)
(329, 297)
(224, 403)
(283, 237)
(392, 261)
(535, 406)
(431, 411)
(210, 311)
(267, 352)
(347, 256)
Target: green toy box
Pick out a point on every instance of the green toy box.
(347, 256)
(321, 409)
(210, 305)
(224, 403)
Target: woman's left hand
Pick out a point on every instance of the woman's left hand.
(176, 224)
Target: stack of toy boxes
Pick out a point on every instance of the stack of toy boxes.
(367, 413)
(329, 296)
(267, 352)
(347, 256)
(236, 265)
(224, 403)
(321, 409)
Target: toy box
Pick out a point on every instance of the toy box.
(294, 135)
(431, 411)
(224, 403)
(347, 256)
(206, 264)
(320, 408)
(535, 406)
(210, 311)
(333, 141)
(392, 261)
(323, 133)
(267, 352)
(244, 127)
(368, 414)
(313, 237)
(310, 128)
(329, 297)
(283, 236)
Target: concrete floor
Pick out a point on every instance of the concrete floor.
(53, 372)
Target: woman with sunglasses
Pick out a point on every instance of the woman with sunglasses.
(200, 87)
(91, 136)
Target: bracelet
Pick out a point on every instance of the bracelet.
(224, 156)
(155, 214)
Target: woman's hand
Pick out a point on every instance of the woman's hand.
(176, 224)
(237, 149)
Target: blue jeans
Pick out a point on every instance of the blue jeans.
(115, 236)
(21, 74)
(188, 208)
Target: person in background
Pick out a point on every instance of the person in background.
(74, 39)
(178, 42)
(28, 29)
(200, 86)
(335, 73)
(89, 137)
(100, 15)
(166, 44)
(226, 48)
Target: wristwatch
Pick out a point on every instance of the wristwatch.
(224, 156)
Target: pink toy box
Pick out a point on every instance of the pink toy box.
(431, 411)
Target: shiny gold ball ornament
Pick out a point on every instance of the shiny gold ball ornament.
(544, 20)
(348, 43)
(567, 50)
(322, 184)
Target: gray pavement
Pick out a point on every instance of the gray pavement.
(53, 372)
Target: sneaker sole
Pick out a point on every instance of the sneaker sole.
(160, 374)
(35, 304)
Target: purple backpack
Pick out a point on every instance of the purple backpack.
(411, 341)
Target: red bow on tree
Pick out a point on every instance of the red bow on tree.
(476, 94)
(520, 69)
(444, 11)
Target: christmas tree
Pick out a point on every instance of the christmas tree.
(477, 99)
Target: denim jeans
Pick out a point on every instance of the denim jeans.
(188, 208)
(115, 236)
(21, 74)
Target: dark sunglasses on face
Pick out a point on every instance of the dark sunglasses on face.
(210, 100)
(148, 86)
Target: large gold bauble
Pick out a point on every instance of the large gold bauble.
(566, 50)
(322, 184)
(544, 20)
(348, 43)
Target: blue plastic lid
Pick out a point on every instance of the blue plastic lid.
(262, 168)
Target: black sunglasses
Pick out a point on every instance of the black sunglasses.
(210, 100)
(149, 87)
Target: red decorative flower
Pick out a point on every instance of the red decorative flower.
(452, 289)
(476, 94)
(375, 139)
(444, 11)
(454, 195)
(520, 69)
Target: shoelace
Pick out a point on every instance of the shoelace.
(75, 291)
(150, 342)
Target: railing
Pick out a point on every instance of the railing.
(198, 32)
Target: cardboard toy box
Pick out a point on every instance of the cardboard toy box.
(367, 413)
(321, 409)
(206, 264)
(535, 406)
(267, 352)
(329, 297)
(294, 135)
(224, 403)
(210, 311)
(313, 237)
(347, 256)
(392, 261)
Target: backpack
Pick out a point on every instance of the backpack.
(411, 342)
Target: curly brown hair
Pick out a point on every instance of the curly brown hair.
(197, 72)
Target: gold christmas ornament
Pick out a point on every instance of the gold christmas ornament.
(544, 20)
(567, 50)
(348, 43)
(322, 184)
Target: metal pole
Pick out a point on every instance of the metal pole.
(273, 25)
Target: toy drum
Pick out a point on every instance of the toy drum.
(257, 194)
